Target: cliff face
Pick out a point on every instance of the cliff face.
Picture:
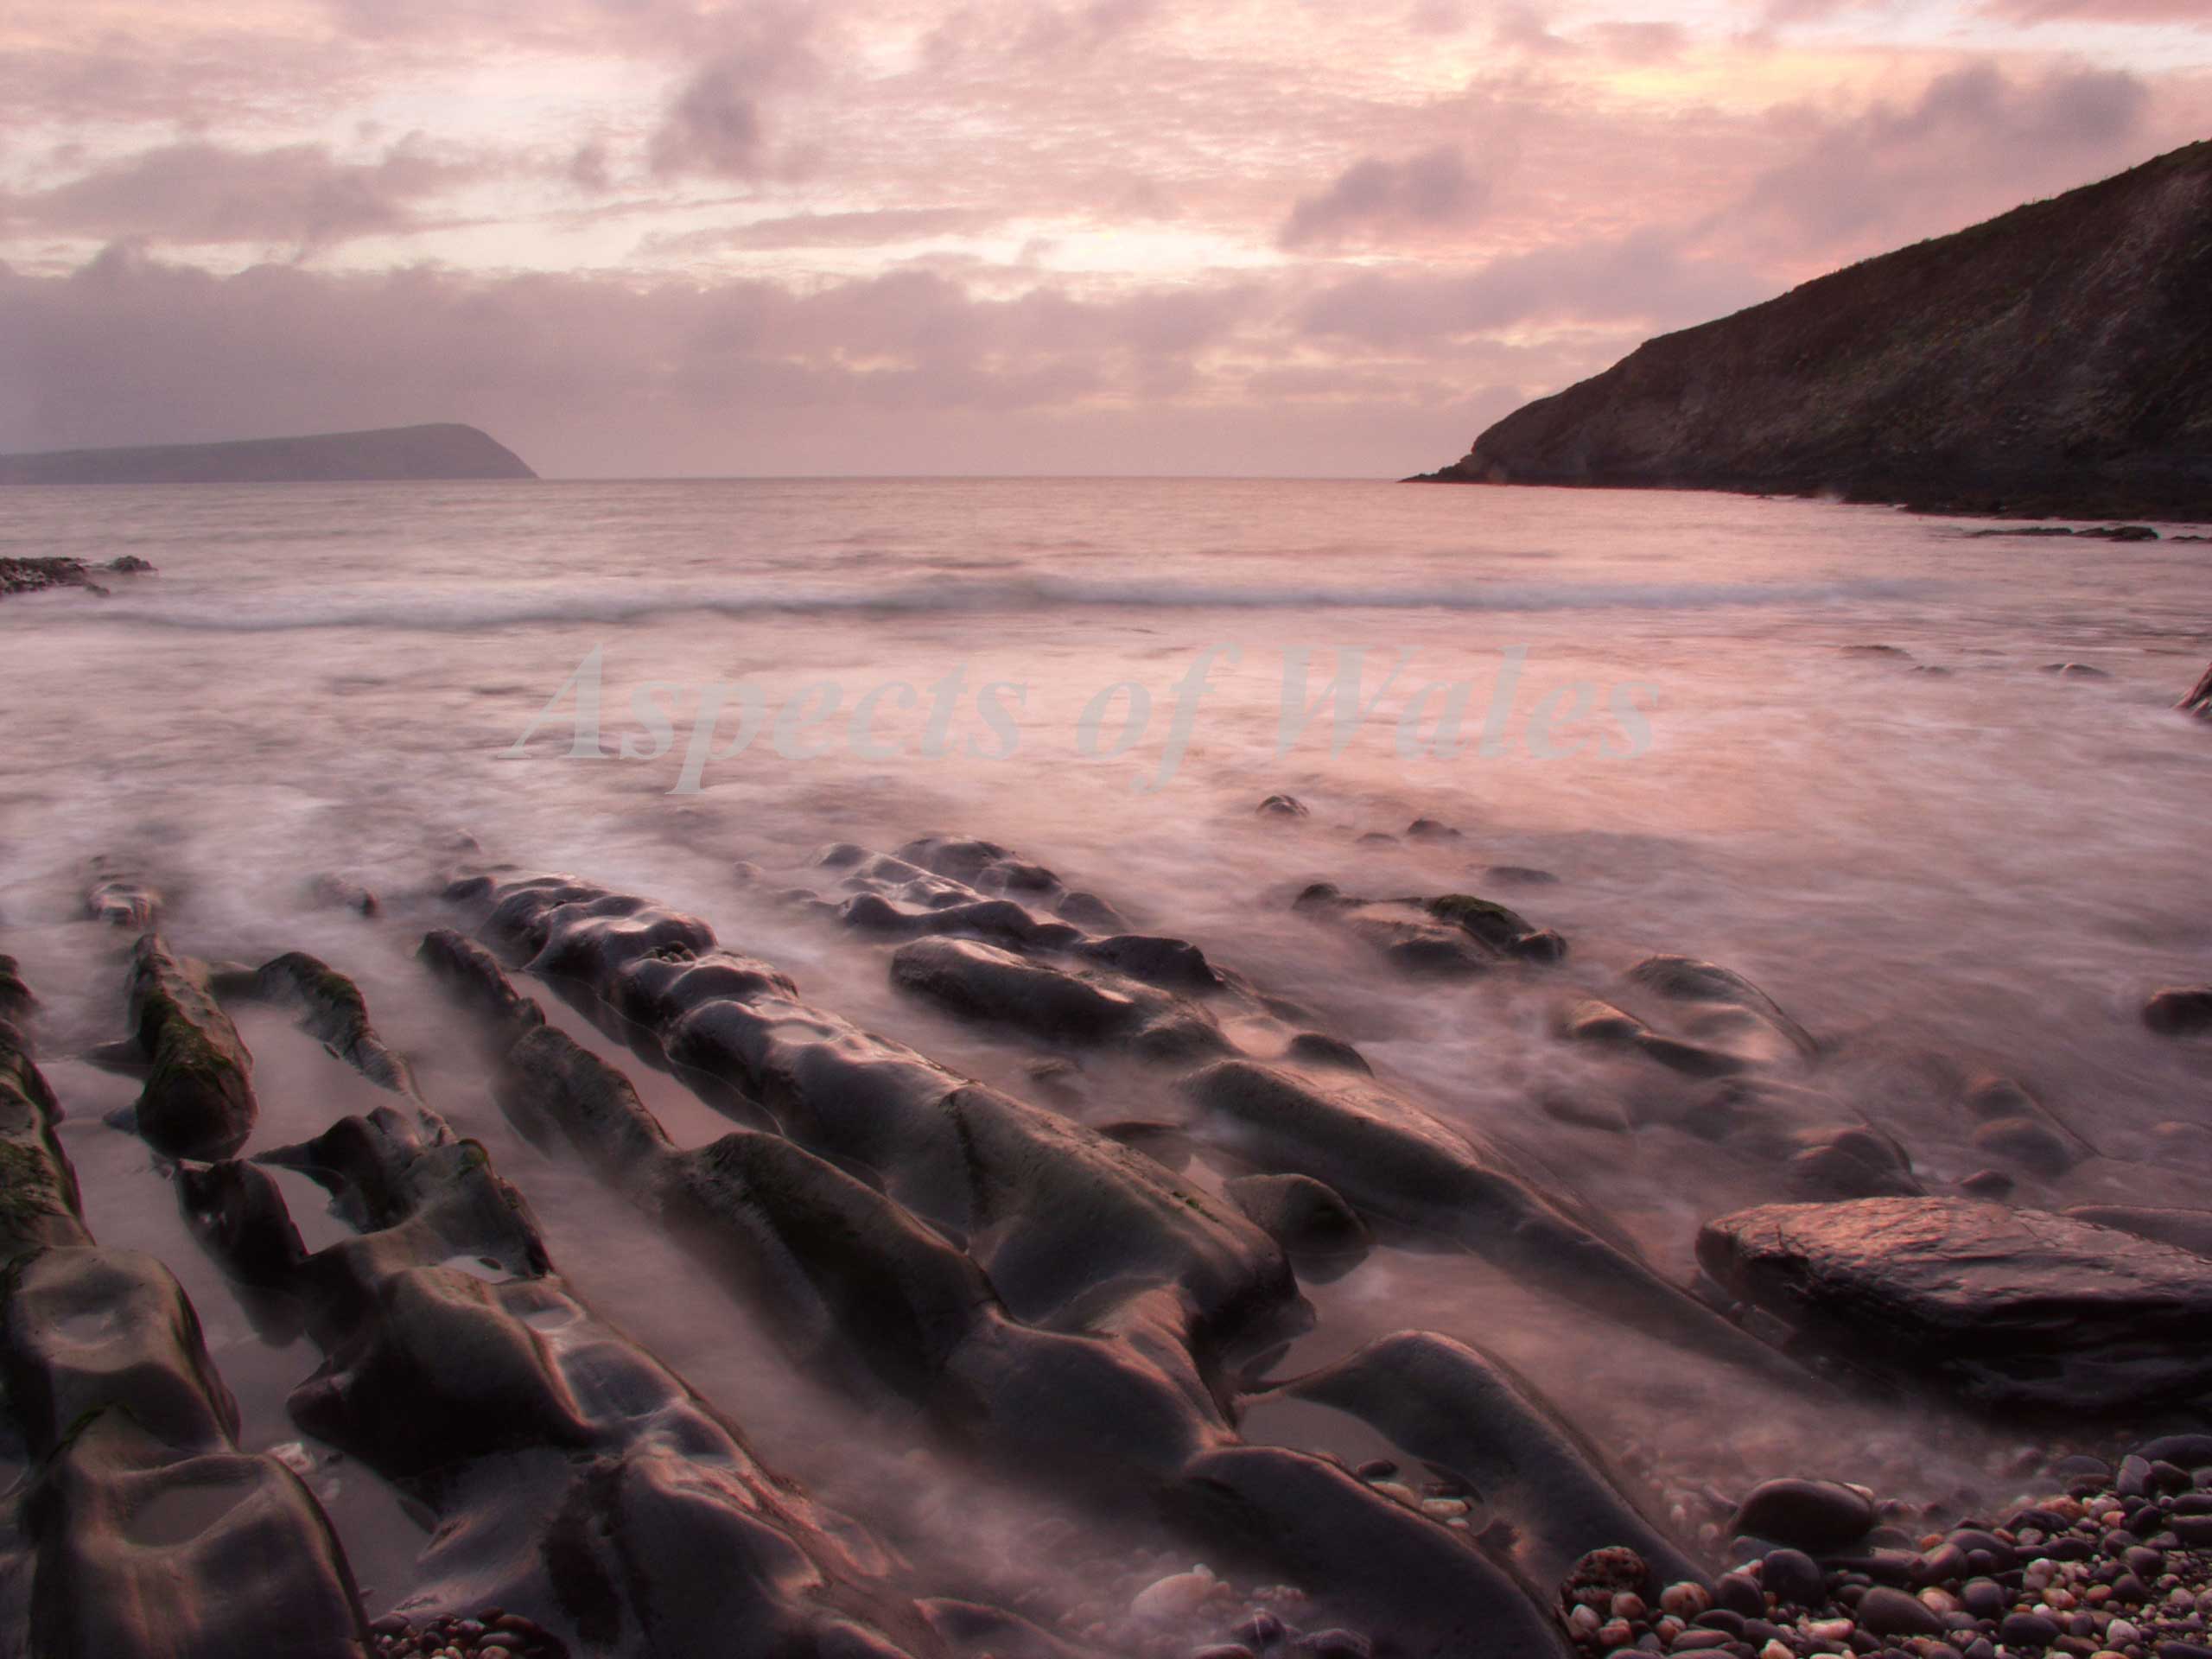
(392, 452)
(2056, 360)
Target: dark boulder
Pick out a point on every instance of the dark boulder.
(2014, 1308)
(2179, 1010)
(1302, 1214)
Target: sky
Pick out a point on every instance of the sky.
(1270, 238)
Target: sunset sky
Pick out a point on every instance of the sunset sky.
(644, 237)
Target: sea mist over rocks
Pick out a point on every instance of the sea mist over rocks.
(1857, 787)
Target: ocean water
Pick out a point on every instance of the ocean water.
(1938, 856)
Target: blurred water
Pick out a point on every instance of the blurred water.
(1988, 866)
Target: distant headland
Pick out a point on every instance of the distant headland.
(2055, 361)
(444, 451)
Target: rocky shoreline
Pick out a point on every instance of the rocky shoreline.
(35, 575)
(1064, 1302)
(2117, 1565)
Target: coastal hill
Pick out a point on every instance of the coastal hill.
(446, 451)
(2056, 360)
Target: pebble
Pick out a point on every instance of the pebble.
(2116, 1566)
(1892, 1612)
(1179, 1595)
(1685, 1600)
(1792, 1576)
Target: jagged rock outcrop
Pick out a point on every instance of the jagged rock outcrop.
(446, 450)
(2057, 359)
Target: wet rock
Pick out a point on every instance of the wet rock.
(1400, 1167)
(2198, 700)
(1505, 931)
(1454, 935)
(1089, 910)
(151, 1533)
(983, 865)
(1885, 1611)
(1603, 1025)
(198, 1101)
(1458, 1410)
(1075, 1355)
(1400, 930)
(981, 981)
(473, 976)
(2010, 1124)
(1734, 1013)
(2009, 1308)
(2076, 672)
(1818, 1517)
(1518, 876)
(1165, 1143)
(343, 892)
(121, 897)
(2185, 1230)
(1282, 806)
(1853, 1163)
(1991, 1184)
(1793, 1578)
(38, 1189)
(237, 1209)
(1175, 964)
(1305, 1217)
(331, 1009)
(16, 1003)
(1740, 1595)
(1064, 1209)
(1431, 829)
(1318, 1048)
(2027, 1631)
(36, 575)
(2180, 1011)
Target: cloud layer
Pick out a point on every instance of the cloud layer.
(663, 236)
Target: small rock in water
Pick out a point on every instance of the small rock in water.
(1283, 806)
(2180, 1011)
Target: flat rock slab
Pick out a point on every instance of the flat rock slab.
(2011, 1307)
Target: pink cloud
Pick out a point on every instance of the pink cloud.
(199, 192)
(1433, 188)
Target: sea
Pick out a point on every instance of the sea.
(1922, 782)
